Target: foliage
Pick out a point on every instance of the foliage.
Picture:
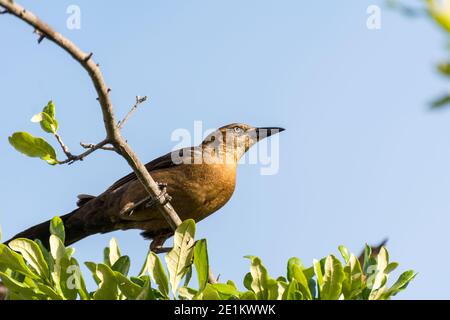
(30, 271)
(36, 147)
(439, 12)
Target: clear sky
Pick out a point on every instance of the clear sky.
(362, 159)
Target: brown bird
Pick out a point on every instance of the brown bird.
(200, 180)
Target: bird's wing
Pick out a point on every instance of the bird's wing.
(163, 162)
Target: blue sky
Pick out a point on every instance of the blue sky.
(362, 159)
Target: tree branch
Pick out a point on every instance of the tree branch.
(71, 158)
(63, 146)
(91, 145)
(139, 100)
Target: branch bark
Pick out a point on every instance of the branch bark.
(113, 134)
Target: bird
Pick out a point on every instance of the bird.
(199, 180)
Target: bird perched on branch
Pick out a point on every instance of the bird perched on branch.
(199, 181)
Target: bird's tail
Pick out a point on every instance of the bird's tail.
(73, 228)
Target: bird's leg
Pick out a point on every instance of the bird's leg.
(148, 201)
(157, 244)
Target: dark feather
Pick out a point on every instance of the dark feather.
(83, 199)
(162, 162)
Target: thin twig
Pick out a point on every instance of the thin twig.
(113, 134)
(139, 100)
(72, 158)
(63, 146)
(91, 145)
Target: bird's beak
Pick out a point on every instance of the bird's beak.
(265, 132)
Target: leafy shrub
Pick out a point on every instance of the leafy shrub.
(30, 271)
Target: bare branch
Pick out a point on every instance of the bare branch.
(71, 159)
(91, 148)
(113, 134)
(139, 100)
(63, 146)
(91, 145)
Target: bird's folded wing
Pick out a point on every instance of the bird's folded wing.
(163, 162)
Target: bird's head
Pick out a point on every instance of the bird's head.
(235, 139)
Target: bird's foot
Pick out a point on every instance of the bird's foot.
(161, 250)
(163, 198)
(158, 242)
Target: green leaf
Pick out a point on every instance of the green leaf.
(57, 248)
(157, 273)
(303, 287)
(248, 281)
(180, 257)
(391, 267)
(48, 124)
(122, 265)
(75, 279)
(14, 261)
(401, 284)
(291, 262)
(441, 102)
(93, 268)
(33, 147)
(22, 290)
(47, 256)
(201, 263)
(344, 252)
(47, 119)
(318, 272)
(356, 280)
(49, 292)
(66, 272)
(248, 295)
(225, 290)
(147, 292)
(186, 293)
(32, 254)
(369, 264)
(380, 279)
(50, 109)
(444, 68)
(260, 278)
(188, 276)
(209, 293)
(332, 279)
(290, 292)
(130, 289)
(108, 288)
(114, 251)
(231, 283)
(57, 228)
(438, 10)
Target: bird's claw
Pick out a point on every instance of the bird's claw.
(163, 198)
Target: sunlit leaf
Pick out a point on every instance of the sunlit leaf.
(201, 263)
(332, 279)
(180, 257)
(157, 273)
(32, 254)
(33, 147)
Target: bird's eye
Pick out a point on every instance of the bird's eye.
(237, 130)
